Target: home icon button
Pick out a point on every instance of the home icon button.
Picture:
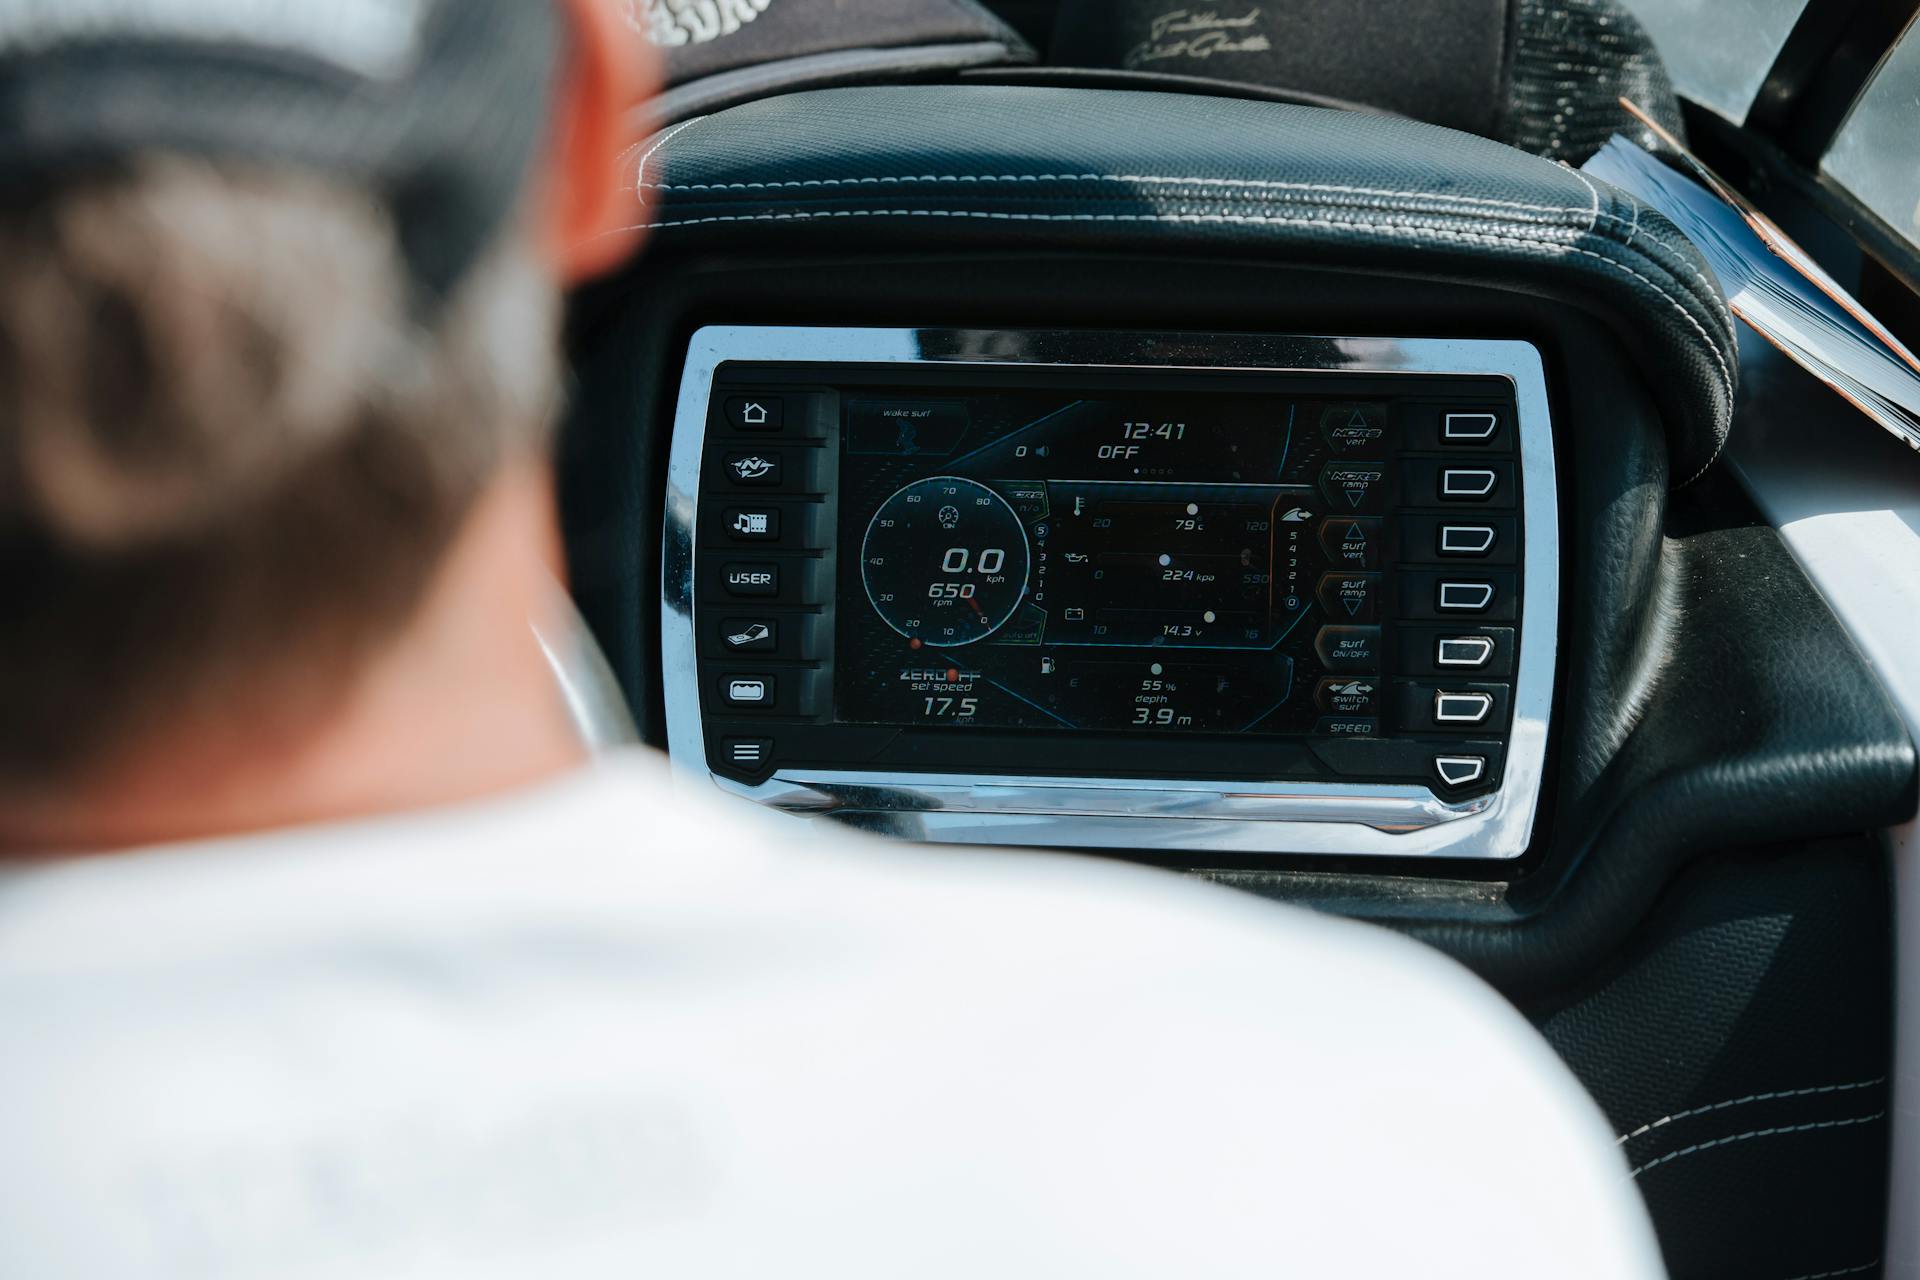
(756, 413)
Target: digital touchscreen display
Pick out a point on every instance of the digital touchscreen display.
(1119, 562)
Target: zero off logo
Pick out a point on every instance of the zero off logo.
(671, 23)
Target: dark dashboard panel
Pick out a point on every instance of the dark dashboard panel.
(1618, 772)
(1706, 700)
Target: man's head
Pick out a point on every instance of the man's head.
(279, 313)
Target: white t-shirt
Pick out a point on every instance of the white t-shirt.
(598, 1029)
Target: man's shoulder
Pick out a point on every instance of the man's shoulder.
(809, 1037)
(1076, 909)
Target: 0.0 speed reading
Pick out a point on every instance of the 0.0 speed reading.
(945, 561)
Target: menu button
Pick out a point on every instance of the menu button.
(745, 755)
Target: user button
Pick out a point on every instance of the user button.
(751, 579)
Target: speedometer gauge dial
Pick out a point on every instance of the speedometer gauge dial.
(945, 561)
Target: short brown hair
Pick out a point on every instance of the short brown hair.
(231, 449)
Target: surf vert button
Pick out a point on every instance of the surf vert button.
(1353, 541)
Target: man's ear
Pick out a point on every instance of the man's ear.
(589, 224)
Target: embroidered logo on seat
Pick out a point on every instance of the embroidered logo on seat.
(671, 23)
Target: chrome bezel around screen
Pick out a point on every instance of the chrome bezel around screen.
(1170, 815)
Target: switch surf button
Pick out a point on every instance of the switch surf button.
(751, 579)
(1349, 696)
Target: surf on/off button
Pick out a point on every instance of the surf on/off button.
(1348, 648)
(1351, 597)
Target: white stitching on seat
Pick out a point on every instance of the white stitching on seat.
(1588, 184)
(802, 215)
(1475, 204)
(1719, 446)
(1752, 1097)
(1594, 215)
(1844, 1271)
(640, 182)
(1757, 1133)
(1258, 184)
